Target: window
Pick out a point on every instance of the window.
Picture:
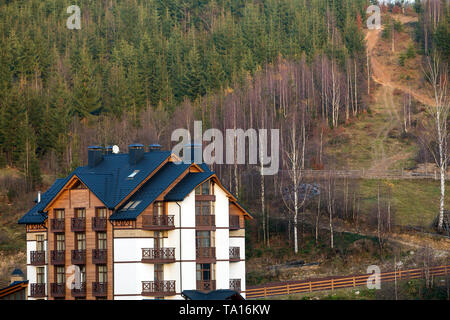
(203, 189)
(59, 214)
(158, 208)
(60, 274)
(80, 241)
(203, 239)
(80, 213)
(40, 244)
(40, 275)
(101, 240)
(204, 208)
(131, 205)
(100, 212)
(60, 242)
(82, 274)
(133, 174)
(203, 272)
(102, 274)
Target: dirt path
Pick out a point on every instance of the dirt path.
(386, 106)
(381, 74)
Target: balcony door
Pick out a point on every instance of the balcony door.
(60, 243)
(40, 275)
(159, 272)
(59, 214)
(158, 208)
(40, 244)
(158, 240)
(203, 239)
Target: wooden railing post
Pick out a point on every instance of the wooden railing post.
(354, 281)
(332, 287)
(310, 286)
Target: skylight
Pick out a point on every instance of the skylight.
(131, 205)
(132, 175)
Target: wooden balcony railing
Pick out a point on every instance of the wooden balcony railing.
(235, 253)
(162, 255)
(206, 285)
(234, 223)
(99, 289)
(158, 288)
(78, 224)
(99, 224)
(208, 253)
(99, 256)
(151, 222)
(38, 290)
(79, 292)
(57, 257)
(37, 258)
(58, 290)
(205, 221)
(235, 284)
(57, 225)
(78, 256)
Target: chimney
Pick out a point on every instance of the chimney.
(154, 147)
(17, 275)
(39, 197)
(135, 153)
(95, 156)
(193, 153)
(108, 150)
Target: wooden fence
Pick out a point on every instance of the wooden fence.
(341, 282)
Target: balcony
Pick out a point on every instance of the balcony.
(151, 222)
(79, 292)
(162, 255)
(78, 224)
(206, 255)
(78, 256)
(37, 258)
(206, 221)
(234, 223)
(158, 288)
(99, 289)
(99, 224)
(99, 256)
(37, 290)
(235, 284)
(57, 257)
(57, 225)
(58, 290)
(206, 285)
(235, 254)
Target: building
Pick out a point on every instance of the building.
(135, 226)
(17, 289)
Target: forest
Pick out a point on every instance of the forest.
(138, 69)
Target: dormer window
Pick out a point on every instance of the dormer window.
(133, 174)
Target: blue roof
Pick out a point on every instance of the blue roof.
(221, 294)
(35, 215)
(109, 181)
(114, 179)
(185, 186)
(151, 190)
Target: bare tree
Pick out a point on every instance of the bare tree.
(436, 72)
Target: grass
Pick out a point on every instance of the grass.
(416, 202)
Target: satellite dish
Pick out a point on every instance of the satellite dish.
(115, 149)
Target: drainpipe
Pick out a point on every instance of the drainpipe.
(181, 273)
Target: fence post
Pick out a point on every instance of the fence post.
(332, 287)
(310, 287)
(265, 292)
(354, 282)
(288, 289)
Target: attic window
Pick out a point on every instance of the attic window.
(131, 205)
(132, 175)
